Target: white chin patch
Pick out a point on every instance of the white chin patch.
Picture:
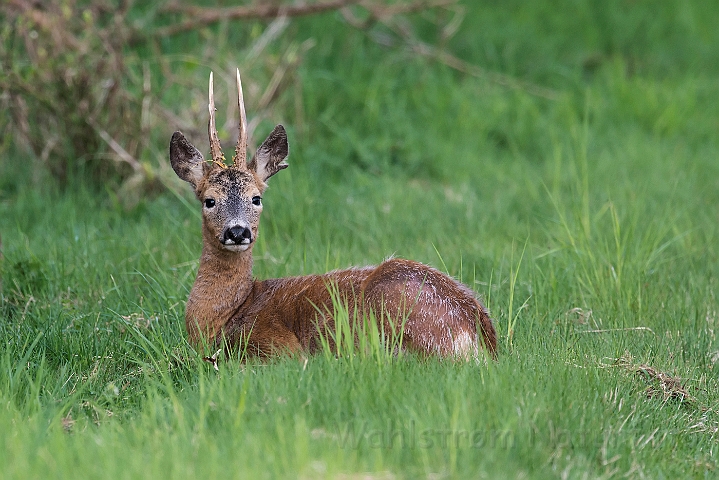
(236, 248)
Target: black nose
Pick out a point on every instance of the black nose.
(237, 235)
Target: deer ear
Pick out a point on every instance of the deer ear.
(270, 157)
(186, 160)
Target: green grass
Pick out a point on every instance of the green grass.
(588, 223)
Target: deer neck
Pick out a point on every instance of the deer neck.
(223, 283)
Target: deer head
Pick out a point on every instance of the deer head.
(231, 195)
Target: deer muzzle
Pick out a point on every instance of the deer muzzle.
(237, 236)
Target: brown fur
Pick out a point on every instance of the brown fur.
(441, 315)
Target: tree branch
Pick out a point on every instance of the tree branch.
(380, 11)
(207, 16)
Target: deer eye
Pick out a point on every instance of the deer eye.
(210, 202)
(257, 201)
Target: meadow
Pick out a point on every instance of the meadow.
(572, 181)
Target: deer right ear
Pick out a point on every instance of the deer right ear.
(186, 160)
(270, 157)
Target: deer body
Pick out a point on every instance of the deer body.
(439, 315)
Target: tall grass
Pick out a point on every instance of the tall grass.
(588, 223)
(358, 335)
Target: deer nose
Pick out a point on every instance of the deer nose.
(237, 235)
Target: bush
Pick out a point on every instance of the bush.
(68, 91)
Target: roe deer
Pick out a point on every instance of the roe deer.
(440, 315)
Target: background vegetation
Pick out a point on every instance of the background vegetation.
(558, 157)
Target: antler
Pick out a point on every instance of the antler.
(215, 149)
(240, 158)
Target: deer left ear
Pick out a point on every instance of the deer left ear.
(270, 157)
(186, 160)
